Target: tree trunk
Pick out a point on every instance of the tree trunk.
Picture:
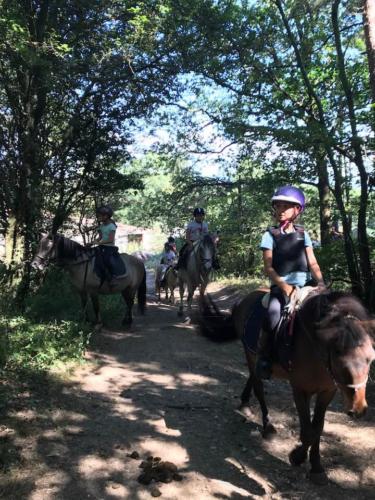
(14, 242)
(324, 198)
(369, 27)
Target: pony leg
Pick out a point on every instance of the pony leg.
(202, 290)
(302, 401)
(246, 393)
(257, 385)
(245, 397)
(95, 304)
(268, 428)
(317, 473)
(129, 301)
(84, 303)
(157, 290)
(190, 298)
(181, 306)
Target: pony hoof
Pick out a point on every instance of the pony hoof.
(318, 478)
(245, 411)
(180, 314)
(297, 456)
(269, 431)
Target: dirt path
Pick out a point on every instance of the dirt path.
(163, 390)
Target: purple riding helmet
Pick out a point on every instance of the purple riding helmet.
(290, 194)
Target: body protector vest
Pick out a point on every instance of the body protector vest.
(289, 254)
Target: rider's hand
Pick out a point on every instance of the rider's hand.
(321, 286)
(288, 289)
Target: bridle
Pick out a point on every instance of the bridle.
(45, 260)
(328, 361)
(203, 272)
(51, 256)
(355, 387)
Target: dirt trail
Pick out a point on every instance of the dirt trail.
(163, 390)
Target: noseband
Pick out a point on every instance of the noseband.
(328, 361)
(46, 260)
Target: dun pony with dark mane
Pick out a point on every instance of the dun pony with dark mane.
(332, 349)
(79, 262)
(169, 284)
(199, 264)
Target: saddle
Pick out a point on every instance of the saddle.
(283, 340)
(108, 264)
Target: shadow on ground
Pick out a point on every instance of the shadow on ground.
(161, 387)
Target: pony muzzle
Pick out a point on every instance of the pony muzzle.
(355, 402)
(38, 264)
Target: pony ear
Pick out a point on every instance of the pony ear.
(369, 325)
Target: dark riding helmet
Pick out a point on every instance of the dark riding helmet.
(105, 210)
(171, 239)
(198, 211)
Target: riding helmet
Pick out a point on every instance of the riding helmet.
(105, 210)
(198, 211)
(290, 194)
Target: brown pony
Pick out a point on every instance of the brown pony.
(79, 262)
(332, 349)
(169, 283)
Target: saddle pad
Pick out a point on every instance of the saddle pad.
(113, 268)
(253, 326)
(117, 265)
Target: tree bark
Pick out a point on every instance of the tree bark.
(369, 28)
(324, 196)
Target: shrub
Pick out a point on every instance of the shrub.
(40, 345)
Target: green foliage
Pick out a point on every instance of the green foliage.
(332, 260)
(141, 205)
(54, 299)
(39, 346)
(239, 255)
(48, 331)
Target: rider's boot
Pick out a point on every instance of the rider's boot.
(263, 363)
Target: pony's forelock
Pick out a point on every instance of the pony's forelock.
(340, 321)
